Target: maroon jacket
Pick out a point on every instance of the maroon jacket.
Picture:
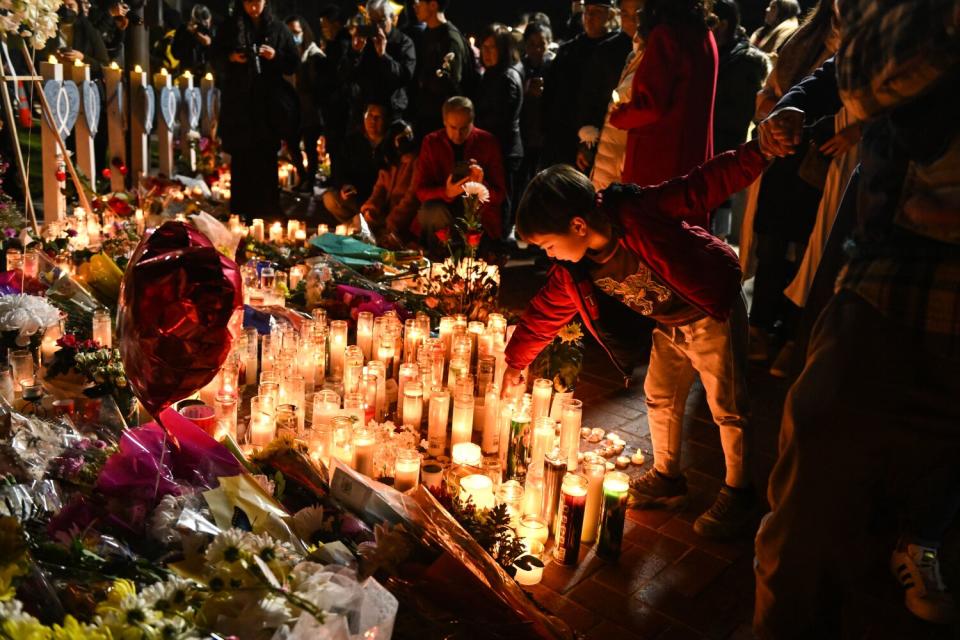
(435, 165)
(698, 267)
(670, 115)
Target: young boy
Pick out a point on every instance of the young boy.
(631, 244)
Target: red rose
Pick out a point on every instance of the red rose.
(473, 237)
(443, 235)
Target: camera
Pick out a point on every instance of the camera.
(367, 30)
(253, 56)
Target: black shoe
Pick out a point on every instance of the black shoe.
(731, 513)
(655, 490)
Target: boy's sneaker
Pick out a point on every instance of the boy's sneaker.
(918, 570)
(731, 513)
(655, 490)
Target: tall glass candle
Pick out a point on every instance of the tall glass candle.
(490, 441)
(326, 404)
(380, 370)
(542, 393)
(250, 355)
(517, 448)
(353, 405)
(352, 368)
(544, 433)
(594, 472)
(338, 344)
(412, 404)
(103, 328)
(462, 429)
(411, 340)
(343, 439)
(616, 487)
(262, 426)
(369, 384)
(570, 422)
(569, 528)
(438, 413)
(363, 446)
(409, 372)
(225, 412)
(554, 470)
(365, 333)
(478, 488)
(510, 494)
(406, 474)
(446, 334)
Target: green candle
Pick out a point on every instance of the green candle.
(616, 487)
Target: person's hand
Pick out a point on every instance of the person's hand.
(267, 52)
(843, 141)
(455, 189)
(203, 39)
(347, 191)
(380, 42)
(535, 87)
(583, 163)
(119, 9)
(781, 132)
(358, 42)
(240, 57)
(511, 379)
(71, 55)
(476, 172)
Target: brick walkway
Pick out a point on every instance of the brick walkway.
(669, 584)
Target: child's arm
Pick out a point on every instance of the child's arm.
(546, 314)
(708, 186)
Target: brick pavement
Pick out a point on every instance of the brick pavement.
(669, 584)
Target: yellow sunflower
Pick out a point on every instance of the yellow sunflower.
(570, 333)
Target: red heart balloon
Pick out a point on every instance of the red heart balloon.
(180, 306)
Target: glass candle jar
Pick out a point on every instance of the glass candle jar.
(406, 473)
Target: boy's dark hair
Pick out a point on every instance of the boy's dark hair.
(553, 198)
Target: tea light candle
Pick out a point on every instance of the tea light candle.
(534, 528)
(462, 429)
(467, 453)
(342, 230)
(406, 474)
(616, 488)
(542, 393)
(573, 502)
(478, 488)
(438, 412)
(432, 475)
(363, 445)
(622, 462)
(637, 458)
(594, 472)
(570, 422)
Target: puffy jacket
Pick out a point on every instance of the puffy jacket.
(698, 267)
(394, 196)
(608, 163)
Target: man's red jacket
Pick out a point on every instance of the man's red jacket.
(435, 165)
(701, 269)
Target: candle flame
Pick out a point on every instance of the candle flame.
(163, 71)
(77, 63)
(137, 69)
(52, 59)
(209, 76)
(187, 74)
(114, 65)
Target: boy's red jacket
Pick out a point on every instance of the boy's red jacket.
(701, 269)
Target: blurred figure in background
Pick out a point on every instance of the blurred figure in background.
(779, 22)
(311, 117)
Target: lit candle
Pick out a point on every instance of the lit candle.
(478, 488)
(276, 232)
(365, 333)
(102, 328)
(446, 334)
(342, 230)
(300, 236)
(510, 494)
(411, 340)
(533, 527)
(406, 474)
(338, 343)
(554, 470)
(573, 501)
(432, 475)
(352, 368)
(570, 422)
(544, 433)
(519, 438)
(412, 405)
(48, 346)
(262, 426)
(616, 487)
(296, 275)
(225, 413)
(466, 453)
(292, 227)
(342, 427)
(326, 404)
(490, 441)
(256, 229)
(531, 572)
(363, 445)
(542, 392)
(594, 471)
(462, 429)
(438, 412)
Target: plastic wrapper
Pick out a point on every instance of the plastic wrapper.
(458, 578)
(179, 310)
(102, 277)
(223, 239)
(241, 501)
(30, 500)
(32, 443)
(76, 301)
(266, 319)
(12, 282)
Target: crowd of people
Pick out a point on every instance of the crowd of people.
(634, 153)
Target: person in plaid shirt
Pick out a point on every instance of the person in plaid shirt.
(875, 408)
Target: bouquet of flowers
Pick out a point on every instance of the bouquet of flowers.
(35, 20)
(24, 319)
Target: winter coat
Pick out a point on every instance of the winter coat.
(86, 39)
(383, 80)
(741, 72)
(436, 164)
(257, 108)
(191, 54)
(701, 269)
(436, 81)
(600, 78)
(357, 164)
(498, 105)
(394, 196)
(608, 162)
(305, 81)
(770, 40)
(670, 113)
(531, 113)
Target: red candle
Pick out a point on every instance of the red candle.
(569, 525)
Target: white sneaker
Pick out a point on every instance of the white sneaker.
(918, 570)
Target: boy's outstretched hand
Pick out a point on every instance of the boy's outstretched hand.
(781, 132)
(511, 378)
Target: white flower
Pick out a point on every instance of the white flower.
(589, 135)
(12, 610)
(27, 315)
(308, 521)
(270, 550)
(477, 190)
(169, 596)
(227, 547)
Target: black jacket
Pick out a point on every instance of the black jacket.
(498, 105)
(433, 88)
(86, 39)
(259, 107)
(741, 72)
(384, 80)
(332, 92)
(192, 55)
(601, 75)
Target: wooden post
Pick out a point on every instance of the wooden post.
(52, 167)
(187, 150)
(116, 131)
(139, 127)
(83, 134)
(12, 125)
(161, 82)
(208, 125)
